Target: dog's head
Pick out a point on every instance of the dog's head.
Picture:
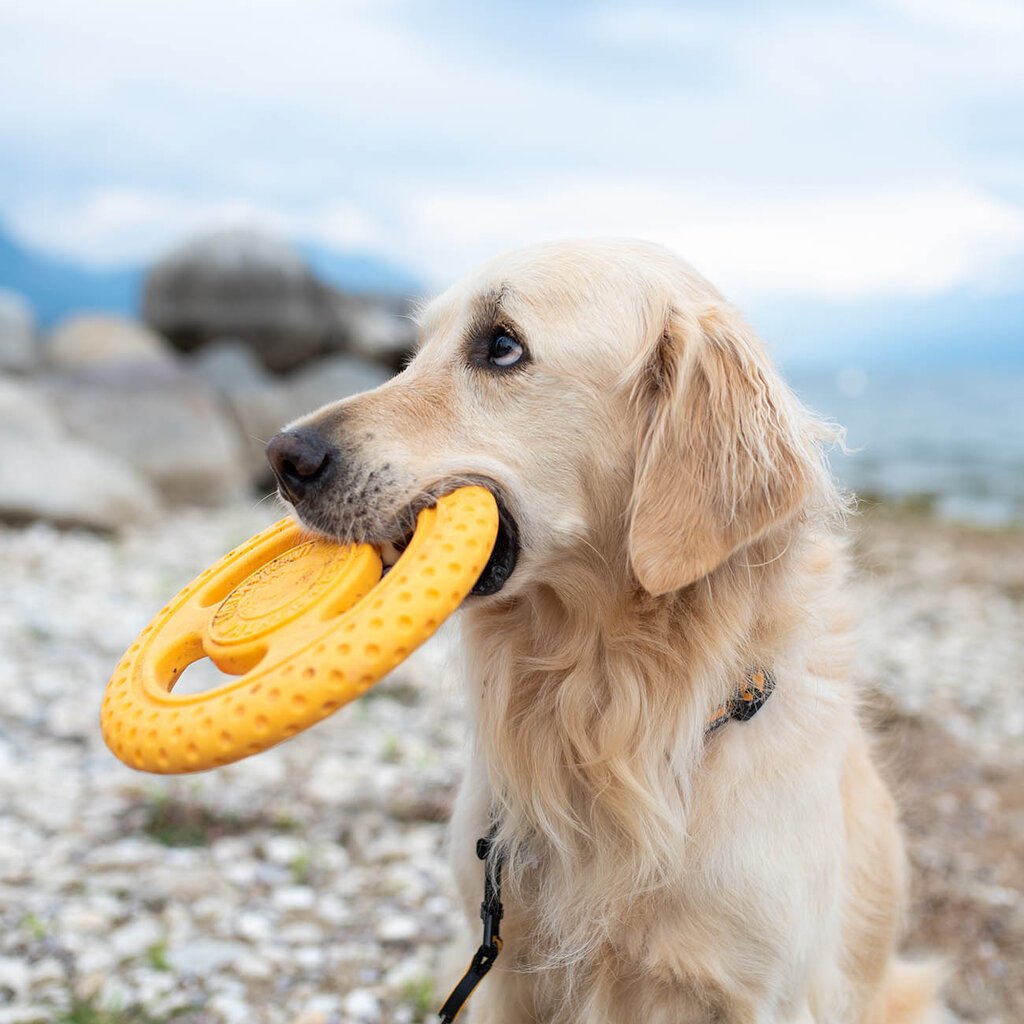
(617, 407)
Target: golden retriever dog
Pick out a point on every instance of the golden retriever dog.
(669, 527)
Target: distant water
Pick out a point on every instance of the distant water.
(952, 440)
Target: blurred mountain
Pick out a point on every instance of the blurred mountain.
(960, 327)
(56, 287)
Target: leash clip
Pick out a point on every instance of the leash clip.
(491, 913)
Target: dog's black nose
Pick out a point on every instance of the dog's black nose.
(299, 458)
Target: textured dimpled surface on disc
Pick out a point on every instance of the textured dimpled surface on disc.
(305, 626)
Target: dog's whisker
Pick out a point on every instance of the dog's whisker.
(266, 497)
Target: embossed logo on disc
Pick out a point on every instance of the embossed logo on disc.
(277, 592)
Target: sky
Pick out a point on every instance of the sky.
(823, 152)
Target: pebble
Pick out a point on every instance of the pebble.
(204, 956)
(322, 1004)
(135, 939)
(230, 1009)
(398, 929)
(294, 897)
(362, 1004)
(317, 890)
(27, 1014)
(284, 849)
(14, 977)
(254, 927)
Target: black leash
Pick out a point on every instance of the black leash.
(746, 703)
(491, 913)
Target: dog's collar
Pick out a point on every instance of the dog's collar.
(745, 702)
(741, 707)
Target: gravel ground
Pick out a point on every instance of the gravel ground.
(942, 645)
(309, 884)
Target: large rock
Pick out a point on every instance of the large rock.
(246, 284)
(46, 475)
(258, 402)
(171, 427)
(382, 330)
(91, 339)
(329, 380)
(228, 364)
(18, 350)
(25, 413)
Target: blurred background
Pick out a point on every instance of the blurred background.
(215, 217)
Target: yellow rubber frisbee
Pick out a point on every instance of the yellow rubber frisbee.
(306, 625)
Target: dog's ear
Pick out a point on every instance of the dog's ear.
(724, 455)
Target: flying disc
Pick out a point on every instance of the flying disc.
(306, 625)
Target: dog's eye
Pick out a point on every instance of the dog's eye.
(504, 351)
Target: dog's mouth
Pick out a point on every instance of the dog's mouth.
(500, 564)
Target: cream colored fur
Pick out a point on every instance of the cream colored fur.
(679, 526)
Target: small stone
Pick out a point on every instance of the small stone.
(135, 939)
(230, 1009)
(152, 986)
(95, 958)
(211, 908)
(398, 929)
(309, 958)
(27, 1014)
(407, 973)
(14, 977)
(362, 1004)
(294, 897)
(88, 983)
(254, 967)
(322, 1004)
(284, 849)
(47, 972)
(242, 874)
(204, 956)
(333, 910)
(301, 933)
(114, 994)
(254, 927)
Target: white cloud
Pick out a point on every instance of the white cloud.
(113, 226)
(341, 225)
(337, 60)
(915, 240)
(975, 17)
(832, 149)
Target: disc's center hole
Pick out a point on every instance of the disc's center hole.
(200, 676)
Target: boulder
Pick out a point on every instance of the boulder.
(18, 349)
(46, 475)
(25, 412)
(382, 330)
(170, 426)
(228, 364)
(258, 401)
(90, 339)
(247, 284)
(329, 380)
